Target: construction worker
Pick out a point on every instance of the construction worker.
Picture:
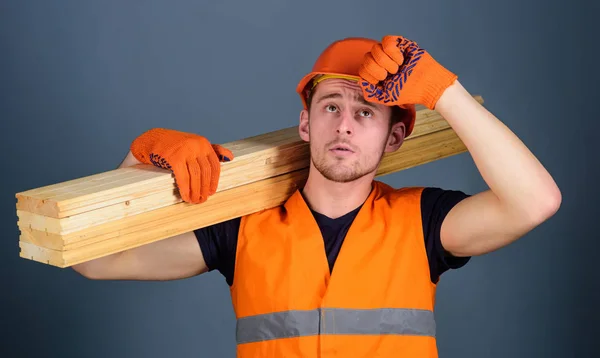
(348, 266)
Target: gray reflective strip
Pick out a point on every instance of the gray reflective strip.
(277, 325)
(335, 321)
(378, 321)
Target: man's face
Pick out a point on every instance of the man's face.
(348, 135)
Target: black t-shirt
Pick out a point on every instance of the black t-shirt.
(219, 242)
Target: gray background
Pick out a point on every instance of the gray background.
(79, 80)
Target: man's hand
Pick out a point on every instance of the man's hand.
(398, 72)
(194, 161)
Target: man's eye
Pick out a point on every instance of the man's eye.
(366, 113)
(330, 108)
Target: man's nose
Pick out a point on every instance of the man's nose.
(345, 124)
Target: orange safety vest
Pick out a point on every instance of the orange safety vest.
(378, 301)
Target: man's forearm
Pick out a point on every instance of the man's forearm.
(508, 167)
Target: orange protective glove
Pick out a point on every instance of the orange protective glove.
(194, 161)
(397, 71)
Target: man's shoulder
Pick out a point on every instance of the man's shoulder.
(418, 191)
(433, 193)
(406, 192)
(428, 198)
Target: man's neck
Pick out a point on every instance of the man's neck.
(335, 199)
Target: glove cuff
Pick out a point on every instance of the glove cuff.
(439, 78)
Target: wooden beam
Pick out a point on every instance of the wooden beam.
(123, 190)
(77, 221)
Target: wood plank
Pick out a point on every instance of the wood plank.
(256, 158)
(102, 215)
(172, 220)
(65, 199)
(175, 219)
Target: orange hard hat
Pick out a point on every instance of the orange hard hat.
(342, 59)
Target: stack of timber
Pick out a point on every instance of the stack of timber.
(79, 220)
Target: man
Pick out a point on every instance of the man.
(348, 266)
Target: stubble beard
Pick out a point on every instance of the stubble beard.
(343, 172)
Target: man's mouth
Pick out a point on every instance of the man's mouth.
(341, 149)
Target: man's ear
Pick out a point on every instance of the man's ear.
(396, 137)
(304, 127)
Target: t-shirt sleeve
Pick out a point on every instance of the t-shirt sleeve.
(218, 244)
(435, 205)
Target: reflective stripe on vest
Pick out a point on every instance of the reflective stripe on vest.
(288, 324)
